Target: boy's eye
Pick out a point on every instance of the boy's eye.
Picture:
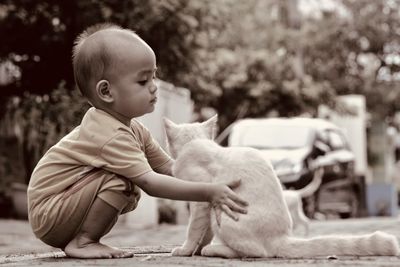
(143, 82)
(146, 79)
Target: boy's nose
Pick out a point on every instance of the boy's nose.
(153, 88)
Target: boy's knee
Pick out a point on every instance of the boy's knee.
(120, 193)
(133, 200)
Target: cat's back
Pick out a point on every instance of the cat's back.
(248, 165)
(247, 156)
(201, 147)
(229, 155)
(227, 161)
(198, 154)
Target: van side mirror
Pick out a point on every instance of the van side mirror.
(320, 148)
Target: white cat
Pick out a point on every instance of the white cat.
(293, 199)
(265, 231)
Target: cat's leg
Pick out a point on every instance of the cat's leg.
(301, 218)
(305, 222)
(205, 241)
(199, 225)
(219, 250)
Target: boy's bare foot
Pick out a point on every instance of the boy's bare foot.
(85, 248)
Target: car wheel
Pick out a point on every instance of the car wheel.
(354, 206)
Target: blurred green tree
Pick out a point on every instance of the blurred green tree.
(271, 56)
(359, 54)
(34, 124)
(245, 58)
(38, 35)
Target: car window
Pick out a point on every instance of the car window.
(336, 140)
(323, 136)
(275, 136)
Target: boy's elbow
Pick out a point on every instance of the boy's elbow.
(147, 189)
(150, 193)
(144, 182)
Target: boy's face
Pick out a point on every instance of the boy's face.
(132, 85)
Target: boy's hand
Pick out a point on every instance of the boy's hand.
(224, 199)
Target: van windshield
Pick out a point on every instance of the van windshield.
(275, 136)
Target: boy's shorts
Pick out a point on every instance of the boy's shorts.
(73, 205)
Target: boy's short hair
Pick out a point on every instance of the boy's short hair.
(89, 64)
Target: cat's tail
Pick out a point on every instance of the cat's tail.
(377, 243)
(313, 186)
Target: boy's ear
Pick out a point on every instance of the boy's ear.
(211, 125)
(103, 91)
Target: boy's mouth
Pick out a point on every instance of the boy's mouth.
(154, 100)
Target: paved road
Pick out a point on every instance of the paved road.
(18, 247)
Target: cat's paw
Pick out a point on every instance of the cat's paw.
(182, 252)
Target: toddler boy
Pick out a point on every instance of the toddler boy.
(91, 176)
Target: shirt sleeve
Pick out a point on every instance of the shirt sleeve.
(155, 155)
(123, 155)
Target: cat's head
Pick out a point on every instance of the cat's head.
(178, 135)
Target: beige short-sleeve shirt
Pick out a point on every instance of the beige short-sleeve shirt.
(101, 141)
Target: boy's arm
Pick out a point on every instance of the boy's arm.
(166, 168)
(219, 195)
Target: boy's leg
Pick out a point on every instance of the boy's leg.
(95, 202)
(86, 244)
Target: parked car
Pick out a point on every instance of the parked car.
(296, 147)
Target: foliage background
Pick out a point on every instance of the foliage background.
(243, 58)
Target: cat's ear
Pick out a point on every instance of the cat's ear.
(168, 124)
(169, 132)
(211, 126)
